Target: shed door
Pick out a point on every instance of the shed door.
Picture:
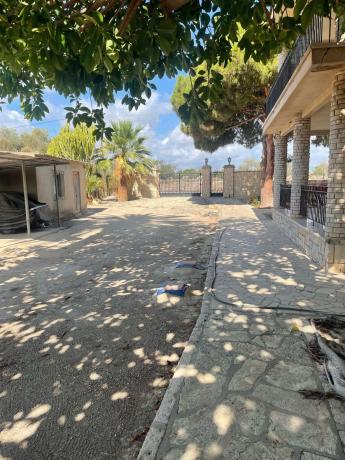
(76, 191)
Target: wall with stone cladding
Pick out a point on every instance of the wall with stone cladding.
(206, 181)
(300, 161)
(335, 214)
(279, 177)
(247, 185)
(311, 243)
(228, 186)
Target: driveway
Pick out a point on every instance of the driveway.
(87, 351)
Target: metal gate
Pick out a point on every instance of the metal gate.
(217, 184)
(180, 184)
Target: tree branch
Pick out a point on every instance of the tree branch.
(133, 6)
(267, 14)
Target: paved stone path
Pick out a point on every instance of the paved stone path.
(235, 394)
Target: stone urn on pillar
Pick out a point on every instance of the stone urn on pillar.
(229, 176)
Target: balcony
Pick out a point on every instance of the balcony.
(320, 31)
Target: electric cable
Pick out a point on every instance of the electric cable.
(300, 311)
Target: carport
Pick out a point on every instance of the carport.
(21, 160)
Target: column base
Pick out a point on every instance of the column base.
(335, 256)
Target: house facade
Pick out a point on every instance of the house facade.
(308, 98)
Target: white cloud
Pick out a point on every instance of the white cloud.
(147, 115)
(13, 119)
(175, 147)
(178, 149)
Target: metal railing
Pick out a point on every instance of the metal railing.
(317, 32)
(340, 22)
(313, 203)
(217, 183)
(180, 184)
(285, 196)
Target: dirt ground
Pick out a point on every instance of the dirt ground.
(86, 349)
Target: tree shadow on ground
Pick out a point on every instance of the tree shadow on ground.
(87, 351)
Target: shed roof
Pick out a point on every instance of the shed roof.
(15, 159)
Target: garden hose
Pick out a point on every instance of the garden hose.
(279, 308)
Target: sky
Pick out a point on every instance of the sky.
(160, 125)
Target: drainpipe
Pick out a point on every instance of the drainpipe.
(26, 201)
(56, 196)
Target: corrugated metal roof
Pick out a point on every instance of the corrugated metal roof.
(14, 159)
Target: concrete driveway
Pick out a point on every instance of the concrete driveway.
(86, 351)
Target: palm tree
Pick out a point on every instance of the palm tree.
(104, 168)
(130, 156)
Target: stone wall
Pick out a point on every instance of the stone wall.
(247, 185)
(145, 187)
(311, 243)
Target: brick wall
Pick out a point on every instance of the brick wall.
(300, 161)
(335, 216)
(279, 177)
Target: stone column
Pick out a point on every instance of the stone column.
(228, 181)
(300, 161)
(279, 175)
(335, 211)
(206, 177)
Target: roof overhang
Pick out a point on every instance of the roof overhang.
(308, 91)
(10, 160)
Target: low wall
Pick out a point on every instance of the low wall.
(247, 185)
(310, 242)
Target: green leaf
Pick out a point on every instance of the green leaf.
(307, 15)
(165, 44)
(199, 81)
(300, 4)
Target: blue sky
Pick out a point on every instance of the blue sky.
(161, 127)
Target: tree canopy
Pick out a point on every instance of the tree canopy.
(320, 170)
(95, 48)
(28, 141)
(229, 114)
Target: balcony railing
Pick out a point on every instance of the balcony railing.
(321, 30)
(313, 203)
(285, 196)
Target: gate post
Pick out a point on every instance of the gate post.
(229, 176)
(206, 176)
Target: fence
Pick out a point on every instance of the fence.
(243, 185)
(180, 184)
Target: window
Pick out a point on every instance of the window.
(60, 185)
